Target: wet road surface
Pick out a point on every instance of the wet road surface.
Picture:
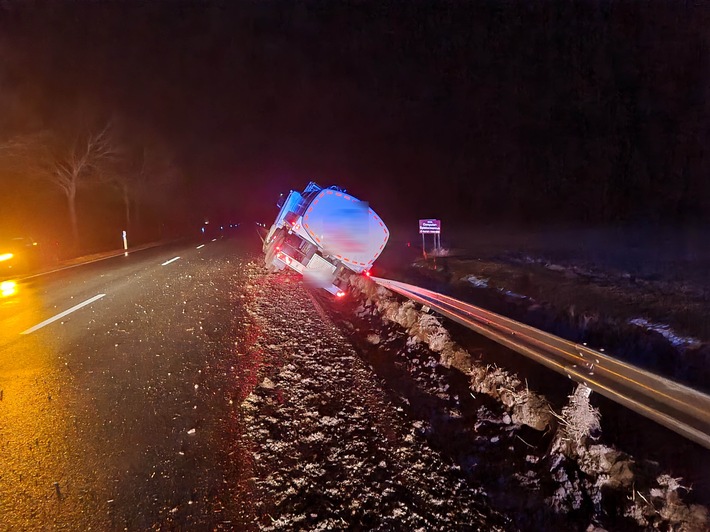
(183, 388)
(113, 416)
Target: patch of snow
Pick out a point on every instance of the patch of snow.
(267, 383)
(555, 267)
(374, 339)
(665, 331)
(512, 294)
(330, 421)
(478, 282)
(315, 437)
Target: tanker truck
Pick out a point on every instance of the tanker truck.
(324, 234)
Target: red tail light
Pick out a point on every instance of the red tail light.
(340, 293)
(368, 273)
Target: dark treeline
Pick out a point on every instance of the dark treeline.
(559, 112)
(76, 169)
(603, 115)
(584, 112)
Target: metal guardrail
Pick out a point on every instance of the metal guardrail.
(671, 404)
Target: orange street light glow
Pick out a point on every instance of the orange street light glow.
(6, 256)
(8, 288)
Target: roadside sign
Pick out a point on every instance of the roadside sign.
(429, 227)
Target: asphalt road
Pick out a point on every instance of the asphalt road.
(115, 415)
(181, 387)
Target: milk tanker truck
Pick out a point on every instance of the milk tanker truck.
(324, 234)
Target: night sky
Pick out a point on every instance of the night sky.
(575, 112)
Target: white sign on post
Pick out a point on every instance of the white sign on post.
(430, 226)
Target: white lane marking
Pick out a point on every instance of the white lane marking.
(200, 246)
(169, 261)
(62, 314)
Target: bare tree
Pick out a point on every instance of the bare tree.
(141, 178)
(66, 162)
